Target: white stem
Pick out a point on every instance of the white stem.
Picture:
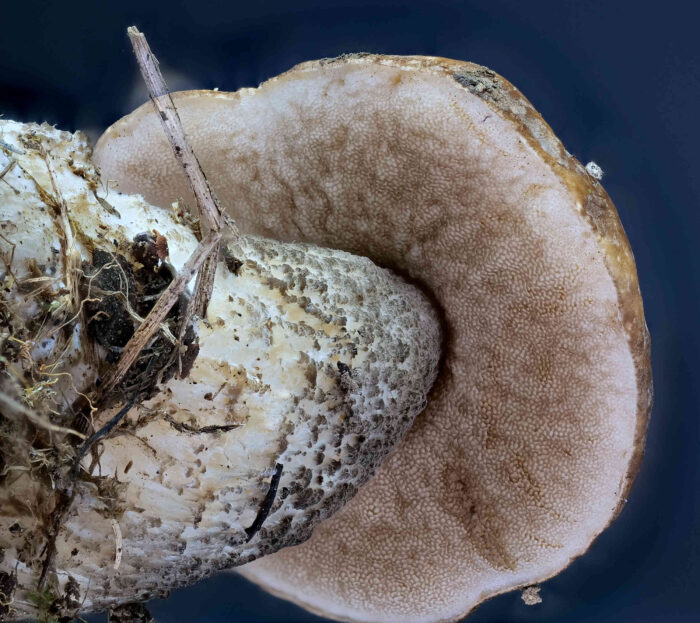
(312, 363)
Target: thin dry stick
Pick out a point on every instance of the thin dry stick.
(7, 167)
(207, 202)
(206, 199)
(205, 257)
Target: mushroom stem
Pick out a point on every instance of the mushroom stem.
(201, 453)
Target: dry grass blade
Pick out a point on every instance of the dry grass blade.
(204, 260)
(209, 210)
(6, 168)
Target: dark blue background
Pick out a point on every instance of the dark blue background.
(619, 83)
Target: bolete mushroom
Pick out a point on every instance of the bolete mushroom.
(443, 172)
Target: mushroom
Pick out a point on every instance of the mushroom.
(442, 171)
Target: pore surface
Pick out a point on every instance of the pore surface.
(522, 455)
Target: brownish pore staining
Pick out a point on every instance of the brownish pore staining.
(460, 497)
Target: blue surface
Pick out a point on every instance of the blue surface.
(619, 83)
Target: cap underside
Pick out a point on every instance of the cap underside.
(522, 455)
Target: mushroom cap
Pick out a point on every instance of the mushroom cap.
(444, 172)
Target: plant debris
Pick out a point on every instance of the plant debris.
(188, 428)
(266, 504)
(54, 607)
(121, 292)
(8, 582)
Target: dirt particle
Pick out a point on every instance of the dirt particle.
(482, 82)
(16, 529)
(8, 583)
(232, 262)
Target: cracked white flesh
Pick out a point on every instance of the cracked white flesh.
(321, 358)
(536, 425)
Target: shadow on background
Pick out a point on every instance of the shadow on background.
(618, 82)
